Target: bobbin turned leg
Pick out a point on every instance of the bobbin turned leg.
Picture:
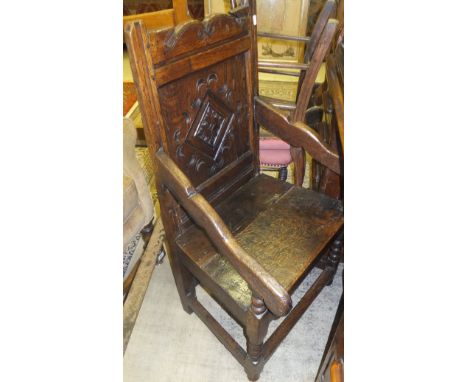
(334, 254)
(283, 173)
(255, 332)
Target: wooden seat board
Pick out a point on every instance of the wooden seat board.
(267, 216)
(237, 211)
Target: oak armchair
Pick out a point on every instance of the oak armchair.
(247, 238)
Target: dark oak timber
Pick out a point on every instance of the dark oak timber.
(276, 298)
(247, 238)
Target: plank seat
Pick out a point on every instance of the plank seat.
(266, 216)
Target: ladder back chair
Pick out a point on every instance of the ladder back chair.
(331, 129)
(246, 238)
(303, 95)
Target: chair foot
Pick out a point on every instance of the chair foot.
(185, 305)
(185, 282)
(253, 369)
(253, 376)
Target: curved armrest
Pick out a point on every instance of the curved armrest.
(276, 298)
(296, 134)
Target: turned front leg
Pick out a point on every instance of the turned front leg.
(258, 320)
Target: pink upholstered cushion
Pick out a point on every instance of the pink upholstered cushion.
(273, 144)
(274, 152)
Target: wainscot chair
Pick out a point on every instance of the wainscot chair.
(246, 238)
(275, 153)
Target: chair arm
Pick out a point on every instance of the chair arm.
(276, 298)
(296, 134)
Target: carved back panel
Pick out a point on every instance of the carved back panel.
(195, 88)
(206, 119)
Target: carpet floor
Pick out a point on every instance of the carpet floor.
(168, 345)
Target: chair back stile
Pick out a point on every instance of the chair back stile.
(199, 108)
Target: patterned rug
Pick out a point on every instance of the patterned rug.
(132, 249)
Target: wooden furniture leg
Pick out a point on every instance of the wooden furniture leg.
(297, 154)
(334, 254)
(256, 329)
(185, 282)
(283, 173)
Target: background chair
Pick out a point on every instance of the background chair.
(273, 150)
(247, 238)
(331, 129)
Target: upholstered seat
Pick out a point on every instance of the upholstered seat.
(259, 215)
(274, 153)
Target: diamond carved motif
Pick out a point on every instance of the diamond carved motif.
(211, 126)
